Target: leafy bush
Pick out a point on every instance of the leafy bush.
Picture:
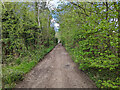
(91, 38)
(24, 41)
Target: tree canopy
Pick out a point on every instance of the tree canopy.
(90, 32)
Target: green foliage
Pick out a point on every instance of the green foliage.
(13, 74)
(90, 35)
(24, 41)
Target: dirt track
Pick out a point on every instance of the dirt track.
(56, 70)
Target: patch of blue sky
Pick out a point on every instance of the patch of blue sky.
(53, 5)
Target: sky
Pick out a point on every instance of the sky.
(52, 5)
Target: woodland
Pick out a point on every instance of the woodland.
(90, 32)
(26, 38)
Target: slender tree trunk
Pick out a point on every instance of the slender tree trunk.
(108, 40)
(38, 15)
(37, 12)
(48, 31)
(119, 29)
(106, 10)
(38, 19)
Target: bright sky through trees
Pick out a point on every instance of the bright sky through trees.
(52, 5)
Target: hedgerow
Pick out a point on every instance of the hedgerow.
(90, 33)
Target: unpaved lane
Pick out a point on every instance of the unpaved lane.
(57, 70)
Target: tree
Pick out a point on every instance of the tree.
(89, 32)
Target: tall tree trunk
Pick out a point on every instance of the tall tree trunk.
(119, 29)
(108, 39)
(106, 10)
(38, 15)
(48, 31)
(37, 19)
(37, 12)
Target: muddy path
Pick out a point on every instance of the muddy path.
(56, 70)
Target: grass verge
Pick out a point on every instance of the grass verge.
(14, 73)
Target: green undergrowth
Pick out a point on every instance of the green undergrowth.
(103, 76)
(93, 40)
(22, 65)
